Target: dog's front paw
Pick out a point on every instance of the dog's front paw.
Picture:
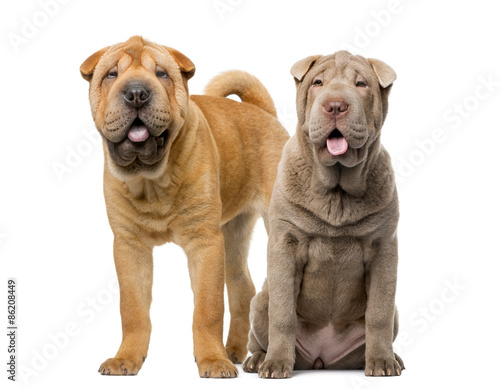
(276, 369)
(119, 366)
(253, 362)
(380, 367)
(217, 368)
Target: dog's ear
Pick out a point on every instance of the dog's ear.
(300, 68)
(385, 74)
(88, 66)
(187, 67)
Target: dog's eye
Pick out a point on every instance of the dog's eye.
(361, 84)
(161, 74)
(318, 83)
(112, 73)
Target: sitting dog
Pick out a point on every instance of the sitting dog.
(329, 298)
(196, 171)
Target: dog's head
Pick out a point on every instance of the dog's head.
(342, 102)
(139, 100)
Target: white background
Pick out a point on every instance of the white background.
(54, 235)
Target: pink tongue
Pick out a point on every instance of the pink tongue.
(336, 146)
(138, 133)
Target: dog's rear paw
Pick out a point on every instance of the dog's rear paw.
(236, 354)
(253, 362)
(119, 366)
(276, 369)
(217, 368)
(380, 367)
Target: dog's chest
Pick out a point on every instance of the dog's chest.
(155, 219)
(147, 210)
(333, 281)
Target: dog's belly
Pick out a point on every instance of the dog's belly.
(328, 345)
(331, 303)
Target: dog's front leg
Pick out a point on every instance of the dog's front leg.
(206, 261)
(283, 281)
(134, 268)
(381, 290)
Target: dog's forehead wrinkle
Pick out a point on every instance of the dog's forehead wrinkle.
(162, 57)
(342, 59)
(113, 49)
(134, 47)
(111, 57)
(148, 62)
(335, 67)
(329, 73)
(343, 65)
(124, 62)
(135, 42)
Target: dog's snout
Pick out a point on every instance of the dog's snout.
(136, 94)
(335, 107)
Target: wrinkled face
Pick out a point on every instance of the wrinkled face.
(138, 96)
(341, 105)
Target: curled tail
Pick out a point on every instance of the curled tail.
(247, 87)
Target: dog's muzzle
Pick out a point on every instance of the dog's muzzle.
(139, 146)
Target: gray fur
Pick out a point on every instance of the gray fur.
(332, 255)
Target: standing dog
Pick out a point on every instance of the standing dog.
(328, 301)
(196, 171)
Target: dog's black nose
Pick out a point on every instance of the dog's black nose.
(335, 107)
(136, 94)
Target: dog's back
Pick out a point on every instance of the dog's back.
(250, 140)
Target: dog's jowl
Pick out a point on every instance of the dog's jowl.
(194, 170)
(329, 298)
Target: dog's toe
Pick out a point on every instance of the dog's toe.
(276, 369)
(217, 368)
(253, 362)
(380, 367)
(119, 366)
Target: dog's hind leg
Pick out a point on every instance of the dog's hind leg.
(253, 362)
(259, 334)
(240, 289)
